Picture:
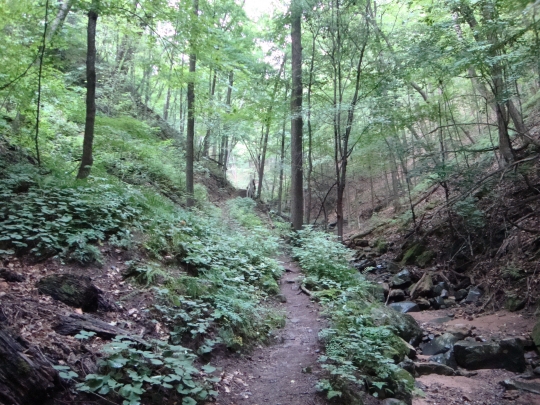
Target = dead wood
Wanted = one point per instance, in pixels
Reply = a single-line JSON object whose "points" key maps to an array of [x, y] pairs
{"points": [[74, 323], [11, 276], [26, 376]]}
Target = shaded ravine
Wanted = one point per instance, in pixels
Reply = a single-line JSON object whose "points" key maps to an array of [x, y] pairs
{"points": [[285, 372]]}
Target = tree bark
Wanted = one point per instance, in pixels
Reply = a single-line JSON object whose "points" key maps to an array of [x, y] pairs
{"points": [[297, 188], [65, 7], [87, 158], [206, 141], [26, 376], [190, 135]]}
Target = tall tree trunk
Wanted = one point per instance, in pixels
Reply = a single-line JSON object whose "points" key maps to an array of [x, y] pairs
{"points": [[225, 142], [65, 7], [281, 163], [310, 131], [190, 136], [297, 188], [87, 159], [206, 141], [268, 122]]}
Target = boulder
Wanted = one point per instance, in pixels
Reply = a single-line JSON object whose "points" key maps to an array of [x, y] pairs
{"points": [[459, 330], [439, 287], [432, 368], [529, 386], [437, 302], [404, 307], [474, 295], [460, 294], [402, 279], [507, 354], [440, 344], [396, 295], [405, 325], [392, 267], [423, 288], [447, 358], [377, 291], [364, 264], [514, 303], [423, 304]]}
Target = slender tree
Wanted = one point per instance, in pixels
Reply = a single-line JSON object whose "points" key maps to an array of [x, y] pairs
{"points": [[87, 158], [297, 188]]}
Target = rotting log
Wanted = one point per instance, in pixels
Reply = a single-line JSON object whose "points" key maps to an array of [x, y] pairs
{"points": [[26, 376], [75, 323], [11, 276], [75, 291]]}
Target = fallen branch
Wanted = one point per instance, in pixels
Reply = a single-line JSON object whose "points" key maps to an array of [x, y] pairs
{"points": [[305, 290]]}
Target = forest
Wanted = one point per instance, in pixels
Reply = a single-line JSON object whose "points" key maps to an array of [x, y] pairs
{"points": [[295, 202]]}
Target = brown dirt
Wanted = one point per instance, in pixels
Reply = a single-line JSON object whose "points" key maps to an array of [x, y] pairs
{"points": [[286, 372]]}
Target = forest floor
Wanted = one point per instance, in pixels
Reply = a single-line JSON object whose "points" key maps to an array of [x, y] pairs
{"points": [[286, 371]]}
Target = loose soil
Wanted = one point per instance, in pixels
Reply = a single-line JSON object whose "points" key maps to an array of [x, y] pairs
{"points": [[285, 372]]}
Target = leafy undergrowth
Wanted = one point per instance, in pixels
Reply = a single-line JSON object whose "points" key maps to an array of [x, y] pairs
{"points": [[209, 273], [358, 353]]}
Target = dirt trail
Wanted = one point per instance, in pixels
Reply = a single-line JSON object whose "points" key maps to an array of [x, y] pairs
{"points": [[285, 372]]}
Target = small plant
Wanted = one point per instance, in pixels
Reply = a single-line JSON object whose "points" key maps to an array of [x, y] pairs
{"points": [[130, 372]]}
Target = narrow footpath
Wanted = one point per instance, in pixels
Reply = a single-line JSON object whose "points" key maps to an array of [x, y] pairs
{"points": [[286, 371]]}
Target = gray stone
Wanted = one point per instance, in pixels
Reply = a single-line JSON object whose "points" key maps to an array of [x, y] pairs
{"points": [[514, 303], [405, 306], [460, 294], [529, 386], [507, 354], [392, 401], [447, 358], [405, 325], [433, 368], [439, 345], [392, 267], [437, 302], [377, 291], [444, 294], [281, 298], [402, 279], [437, 289], [423, 304], [536, 371], [459, 330], [361, 243], [474, 295], [397, 295], [423, 288], [535, 334], [364, 264], [407, 365]]}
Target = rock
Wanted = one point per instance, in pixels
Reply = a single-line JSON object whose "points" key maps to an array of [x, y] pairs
{"points": [[507, 354], [514, 303], [460, 294], [410, 351], [436, 302], [474, 295], [425, 258], [535, 334], [364, 264], [450, 302], [397, 295], [438, 288], [392, 267], [423, 304], [405, 306], [404, 324], [529, 386], [440, 344], [536, 371], [433, 368], [444, 294], [459, 330], [447, 358], [392, 401], [402, 279], [378, 291], [423, 288], [407, 365], [281, 298], [411, 255]]}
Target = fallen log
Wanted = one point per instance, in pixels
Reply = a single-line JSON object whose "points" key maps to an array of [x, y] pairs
{"points": [[75, 291], [26, 376], [75, 323]]}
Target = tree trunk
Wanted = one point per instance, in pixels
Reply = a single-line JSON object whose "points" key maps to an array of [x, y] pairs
{"points": [[190, 136], [65, 7], [206, 141], [297, 188], [281, 161], [87, 159], [224, 153]]}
